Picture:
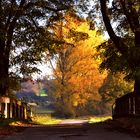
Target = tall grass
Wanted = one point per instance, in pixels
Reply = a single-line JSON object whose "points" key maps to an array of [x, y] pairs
{"points": [[99, 119], [45, 120], [48, 120]]}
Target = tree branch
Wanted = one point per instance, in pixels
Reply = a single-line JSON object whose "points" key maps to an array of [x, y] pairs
{"points": [[58, 78], [12, 26], [10, 15], [128, 16], [117, 40], [134, 16]]}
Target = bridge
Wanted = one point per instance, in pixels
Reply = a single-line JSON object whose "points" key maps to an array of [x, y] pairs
{"points": [[13, 108], [127, 106]]}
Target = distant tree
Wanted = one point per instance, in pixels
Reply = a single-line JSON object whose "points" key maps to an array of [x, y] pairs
{"points": [[113, 87], [77, 78], [21, 26]]}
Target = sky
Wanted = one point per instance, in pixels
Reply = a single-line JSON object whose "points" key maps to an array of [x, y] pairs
{"points": [[46, 71]]}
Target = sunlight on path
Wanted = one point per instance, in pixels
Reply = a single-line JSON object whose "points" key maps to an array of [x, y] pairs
{"points": [[72, 121]]}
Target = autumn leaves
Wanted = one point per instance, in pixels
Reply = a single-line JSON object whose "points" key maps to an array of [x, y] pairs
{"points": [[77, 78]]}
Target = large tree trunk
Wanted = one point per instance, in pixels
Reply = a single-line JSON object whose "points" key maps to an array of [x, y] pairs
{"points": [[5, 45], [137, 85], [122, 47], [4, 76], [135, 26], [4, 61], [137, 62]]}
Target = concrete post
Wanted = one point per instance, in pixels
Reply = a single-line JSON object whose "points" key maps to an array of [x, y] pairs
{"points": [[0, 106], [5, 110], [11, 109], [25, 112]]}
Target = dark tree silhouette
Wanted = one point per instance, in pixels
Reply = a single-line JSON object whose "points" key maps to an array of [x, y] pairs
{"points": [[20, 30], [125, 38]]}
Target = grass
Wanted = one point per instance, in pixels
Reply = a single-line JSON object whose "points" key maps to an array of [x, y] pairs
{"points": [[42, 111], [13, 122], [48, 120], [7, 122], [45, 120], [7, 126], [99, 119]]}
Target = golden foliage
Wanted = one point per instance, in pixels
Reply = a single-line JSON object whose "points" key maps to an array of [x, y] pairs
{"points": [[77, 76]]}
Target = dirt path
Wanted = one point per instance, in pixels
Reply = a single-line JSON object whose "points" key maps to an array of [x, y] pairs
{"points": [[70, 132]]}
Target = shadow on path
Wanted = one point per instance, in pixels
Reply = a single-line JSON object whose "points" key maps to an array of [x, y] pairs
{"points": [[79, 131]]}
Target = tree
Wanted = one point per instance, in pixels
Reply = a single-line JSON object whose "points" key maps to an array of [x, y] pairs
{"points": [[20, 30], [77, 78], [125, 50], [121, 20], [113, 87]]}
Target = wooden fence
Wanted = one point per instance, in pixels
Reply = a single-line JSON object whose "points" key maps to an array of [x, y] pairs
{"points": [[127, 106], [12, 108]]}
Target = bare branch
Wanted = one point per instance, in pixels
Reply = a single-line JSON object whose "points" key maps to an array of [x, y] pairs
{"points": [[54, 70]]}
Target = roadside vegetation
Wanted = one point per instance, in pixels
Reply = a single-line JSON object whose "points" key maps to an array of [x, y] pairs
{"points": [[99, 119], [45, 120], [11, 126], [48, 120]]}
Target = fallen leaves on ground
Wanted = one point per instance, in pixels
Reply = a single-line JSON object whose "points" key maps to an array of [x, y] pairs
{"points": [[9, 130], [5, 131]]}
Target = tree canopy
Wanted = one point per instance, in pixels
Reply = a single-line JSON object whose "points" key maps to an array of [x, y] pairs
{"points": [[77, 78], [121, 20], [126, 43], [21, 26]]}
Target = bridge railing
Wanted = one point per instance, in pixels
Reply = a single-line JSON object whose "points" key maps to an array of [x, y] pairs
{"points": [[126, 106], [12, 108]]}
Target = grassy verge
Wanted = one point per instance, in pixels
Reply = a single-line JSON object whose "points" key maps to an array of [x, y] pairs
{"points": [[48, 120], [45, 120], [7, 127], [99, 119]]}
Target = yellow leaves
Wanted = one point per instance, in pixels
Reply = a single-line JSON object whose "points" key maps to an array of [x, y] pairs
{"points": [[84, 27], [78, 68], [93, 39], [75, 104]]}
